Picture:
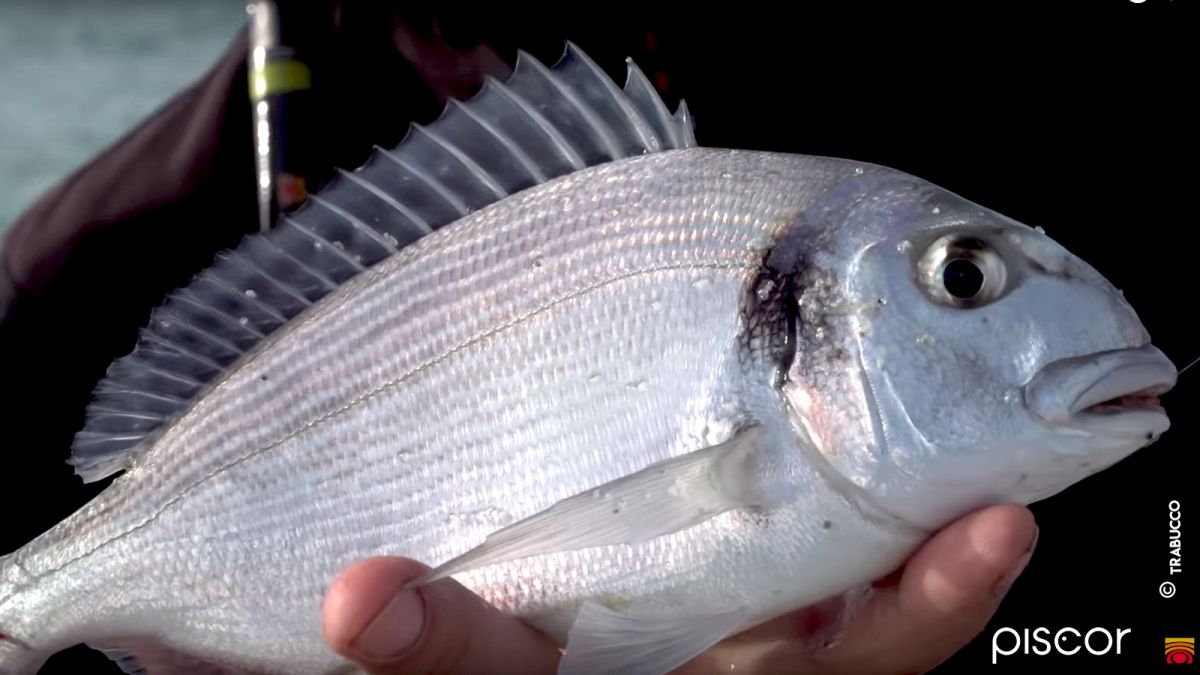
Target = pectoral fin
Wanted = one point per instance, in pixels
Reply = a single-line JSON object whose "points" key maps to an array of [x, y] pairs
{"points": [[662, 498], [603, 641]]}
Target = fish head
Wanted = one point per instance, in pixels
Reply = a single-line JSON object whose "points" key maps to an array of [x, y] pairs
{"points": [[982, 362]]}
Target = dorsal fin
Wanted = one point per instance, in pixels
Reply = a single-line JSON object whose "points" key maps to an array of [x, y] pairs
{"points": [[540, 124]]}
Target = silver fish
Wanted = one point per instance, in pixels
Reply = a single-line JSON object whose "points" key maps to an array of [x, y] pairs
{"points": [[604, 376]]}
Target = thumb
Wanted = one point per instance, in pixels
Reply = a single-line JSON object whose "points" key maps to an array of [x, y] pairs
{"points": [[370, 619]]}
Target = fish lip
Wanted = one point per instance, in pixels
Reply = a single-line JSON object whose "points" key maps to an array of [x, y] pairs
{"points": [[1112, 393]]}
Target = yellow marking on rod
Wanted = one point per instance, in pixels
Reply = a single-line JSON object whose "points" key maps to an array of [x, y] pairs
{"points": [[278, 77]]}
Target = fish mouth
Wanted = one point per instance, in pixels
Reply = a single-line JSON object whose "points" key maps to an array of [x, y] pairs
{"points": [[1144, 398], [1115, 392]]}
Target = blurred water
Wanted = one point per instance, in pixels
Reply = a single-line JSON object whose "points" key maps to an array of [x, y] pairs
{"points": [[76, 75]]}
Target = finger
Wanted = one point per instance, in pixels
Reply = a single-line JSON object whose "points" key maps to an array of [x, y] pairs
{"points": [[916, 618], [440, 628], [948, 592]]}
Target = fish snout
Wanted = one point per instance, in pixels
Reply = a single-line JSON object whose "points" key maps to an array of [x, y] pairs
{"points": [[1111, 393]]}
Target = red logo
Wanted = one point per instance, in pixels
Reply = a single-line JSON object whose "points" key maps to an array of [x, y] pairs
{"points": [[1180, 650]]}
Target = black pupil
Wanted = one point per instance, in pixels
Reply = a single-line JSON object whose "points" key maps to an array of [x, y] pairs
{"points": [[963, 278]]}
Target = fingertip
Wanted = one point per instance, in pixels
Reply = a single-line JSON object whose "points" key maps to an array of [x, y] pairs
{"points": [[1018, 550], [1001, 534], [971, 562], [360, 595], [372, 618]]}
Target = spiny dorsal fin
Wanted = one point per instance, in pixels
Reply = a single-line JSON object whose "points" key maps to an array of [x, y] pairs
{"points": [[540, 124]]}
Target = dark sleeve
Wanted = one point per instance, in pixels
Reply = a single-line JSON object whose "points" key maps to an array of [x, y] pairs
{"points": [[140, 202], [82, 267]]}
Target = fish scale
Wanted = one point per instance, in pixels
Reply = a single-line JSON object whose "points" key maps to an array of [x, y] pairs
{"points": [[638, 402]]}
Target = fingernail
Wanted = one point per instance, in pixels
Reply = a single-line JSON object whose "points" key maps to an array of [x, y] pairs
{"points": [[1006, 581], [394, 630]]}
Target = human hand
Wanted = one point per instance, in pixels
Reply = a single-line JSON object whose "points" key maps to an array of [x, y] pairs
{"points": [[918, 617]]}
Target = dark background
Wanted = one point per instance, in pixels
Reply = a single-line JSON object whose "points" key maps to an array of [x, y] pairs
{"points": [[1077, 118]]}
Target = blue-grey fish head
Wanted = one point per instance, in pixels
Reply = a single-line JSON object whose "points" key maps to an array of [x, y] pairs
{"points": [[951, 357]]}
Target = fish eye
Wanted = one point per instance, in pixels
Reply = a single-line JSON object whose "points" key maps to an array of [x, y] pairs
{"points": [[962, 272], [962, 278]]}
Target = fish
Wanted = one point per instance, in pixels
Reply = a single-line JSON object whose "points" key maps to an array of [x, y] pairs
{"points": [[639, 392]]}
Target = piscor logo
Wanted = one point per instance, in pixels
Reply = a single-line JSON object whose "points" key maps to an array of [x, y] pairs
{"points": [[1067, 641], [1180, 650]]}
